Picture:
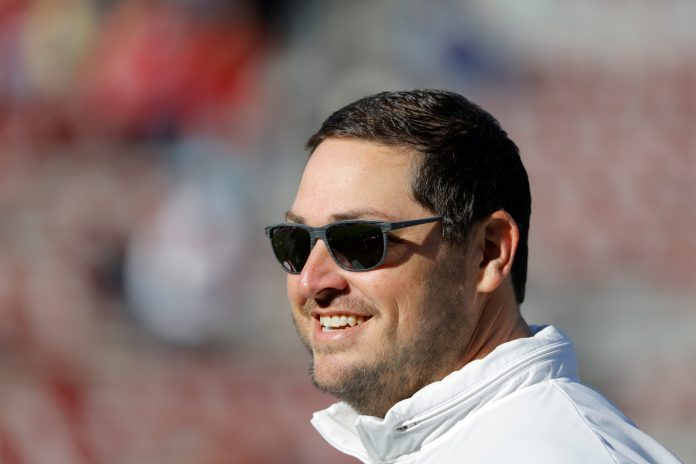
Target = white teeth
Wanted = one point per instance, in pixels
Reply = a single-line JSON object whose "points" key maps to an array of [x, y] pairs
{"points": [[330, 323]]}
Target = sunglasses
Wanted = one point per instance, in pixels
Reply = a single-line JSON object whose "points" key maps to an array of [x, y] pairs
{"points": [[355, 245]]}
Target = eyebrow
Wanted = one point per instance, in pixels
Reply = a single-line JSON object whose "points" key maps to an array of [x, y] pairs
{"points": [[372, 214], [292, 217]]}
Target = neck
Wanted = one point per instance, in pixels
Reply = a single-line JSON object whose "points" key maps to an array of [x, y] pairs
{"points": [[499, 321]]}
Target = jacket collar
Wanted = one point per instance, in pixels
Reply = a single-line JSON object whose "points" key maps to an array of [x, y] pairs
{"points": [[433, 410]]}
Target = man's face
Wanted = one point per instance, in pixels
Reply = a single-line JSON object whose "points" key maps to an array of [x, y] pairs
{"points": [[414, 308]]}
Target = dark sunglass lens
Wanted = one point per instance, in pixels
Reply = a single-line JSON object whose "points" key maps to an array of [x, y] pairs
{"points": [[291, 246], [356, 246]]}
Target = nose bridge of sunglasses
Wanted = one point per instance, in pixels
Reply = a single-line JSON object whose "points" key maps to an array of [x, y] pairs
{"points": [[315, 234]]}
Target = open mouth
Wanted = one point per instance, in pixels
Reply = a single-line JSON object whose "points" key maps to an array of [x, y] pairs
{"points": [[340, 322]]}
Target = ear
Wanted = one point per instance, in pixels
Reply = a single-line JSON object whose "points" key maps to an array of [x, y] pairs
{"points": [[497, 239]]}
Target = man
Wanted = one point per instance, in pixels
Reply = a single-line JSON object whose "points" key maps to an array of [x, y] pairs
{"points": [[406, 253]]}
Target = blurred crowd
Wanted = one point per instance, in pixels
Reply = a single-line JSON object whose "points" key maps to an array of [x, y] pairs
{"points": [[145, 143], [130, 69]]}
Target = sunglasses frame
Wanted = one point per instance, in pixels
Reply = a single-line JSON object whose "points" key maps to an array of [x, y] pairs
{"points": [[319, 233]]}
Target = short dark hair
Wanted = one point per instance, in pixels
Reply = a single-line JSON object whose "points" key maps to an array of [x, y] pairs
{"points": [[470, 168]]}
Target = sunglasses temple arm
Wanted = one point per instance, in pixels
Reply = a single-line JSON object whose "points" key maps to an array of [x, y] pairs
{"points": [[415, 222]]}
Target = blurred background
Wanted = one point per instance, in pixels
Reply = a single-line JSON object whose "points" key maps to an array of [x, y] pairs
{"points": [[144, 144]]}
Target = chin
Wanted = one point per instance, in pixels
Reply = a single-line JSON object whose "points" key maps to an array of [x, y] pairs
{"points": [[326, 379], [363, 386], [327, 370]]}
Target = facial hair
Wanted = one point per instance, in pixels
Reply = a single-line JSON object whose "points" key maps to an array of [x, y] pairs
{"points": [[406, 366]]}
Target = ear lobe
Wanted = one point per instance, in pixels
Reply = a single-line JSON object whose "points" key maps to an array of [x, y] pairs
{"points": [[498, 244]]}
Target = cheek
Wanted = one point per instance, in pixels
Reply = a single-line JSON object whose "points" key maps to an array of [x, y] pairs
{"points": [[294, 295], [291, 286], [399, 296]]}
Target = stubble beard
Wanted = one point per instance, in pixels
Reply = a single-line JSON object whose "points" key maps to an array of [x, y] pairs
{"points": [[405, 367]]}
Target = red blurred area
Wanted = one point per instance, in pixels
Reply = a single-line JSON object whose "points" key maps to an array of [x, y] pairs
{"points": [[138, 68], [153, 65]]}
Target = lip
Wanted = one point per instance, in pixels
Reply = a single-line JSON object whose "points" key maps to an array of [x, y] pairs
{"points": [[336, 336], [316, 313]]}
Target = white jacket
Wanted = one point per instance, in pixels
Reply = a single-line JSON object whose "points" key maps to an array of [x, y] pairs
{"points": [[523, 403]]}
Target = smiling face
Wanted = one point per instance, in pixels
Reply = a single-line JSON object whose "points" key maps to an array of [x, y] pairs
{"points": [[408, 322]]}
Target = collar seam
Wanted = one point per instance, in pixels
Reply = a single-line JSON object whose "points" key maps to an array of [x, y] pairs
{"points": [[532, 358]]}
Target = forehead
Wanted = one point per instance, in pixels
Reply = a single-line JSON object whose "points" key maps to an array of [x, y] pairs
{"points": [[345, 178]]}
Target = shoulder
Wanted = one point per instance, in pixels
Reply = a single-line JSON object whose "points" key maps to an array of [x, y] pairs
{"points": [[552, 421]]}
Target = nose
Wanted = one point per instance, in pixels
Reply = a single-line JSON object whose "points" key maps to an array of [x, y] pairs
{"points": [[321, 278]]}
